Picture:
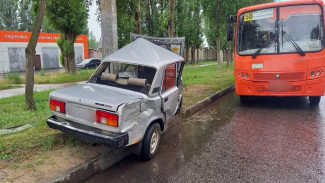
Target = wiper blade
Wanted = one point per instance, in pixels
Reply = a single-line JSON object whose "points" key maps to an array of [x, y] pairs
{"points": [[267, 44], [289, 39]]}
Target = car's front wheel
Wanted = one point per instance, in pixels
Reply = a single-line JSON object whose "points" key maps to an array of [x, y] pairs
{"points": [[150, 142]]}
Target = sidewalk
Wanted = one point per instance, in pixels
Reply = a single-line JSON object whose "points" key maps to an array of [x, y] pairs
{"points": [[37, 88]]}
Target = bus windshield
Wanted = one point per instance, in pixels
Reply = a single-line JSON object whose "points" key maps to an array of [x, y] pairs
{"points": [[290, 29]]}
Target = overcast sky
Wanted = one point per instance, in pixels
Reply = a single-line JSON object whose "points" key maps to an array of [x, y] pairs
{"points": [[92, 22]]}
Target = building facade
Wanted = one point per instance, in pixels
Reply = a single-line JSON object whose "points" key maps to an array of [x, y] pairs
{"points": [[13, 45]]}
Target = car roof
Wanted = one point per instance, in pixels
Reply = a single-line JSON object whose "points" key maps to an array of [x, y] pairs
{"points": [[143, 52]]}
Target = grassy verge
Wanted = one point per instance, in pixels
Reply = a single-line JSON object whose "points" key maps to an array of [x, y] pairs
{"points": [[19, 146], [5, 86], [200, 82], [201, 63], [47, 78]]}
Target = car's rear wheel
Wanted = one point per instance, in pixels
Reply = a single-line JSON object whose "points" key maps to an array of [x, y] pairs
{"points": [[314, 100], [150, 142]]}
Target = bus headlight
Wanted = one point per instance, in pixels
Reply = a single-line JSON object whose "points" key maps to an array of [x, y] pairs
{"points": [[312, 74]]}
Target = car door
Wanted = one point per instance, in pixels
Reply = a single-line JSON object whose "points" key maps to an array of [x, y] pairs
{"points": [[169, 92]]}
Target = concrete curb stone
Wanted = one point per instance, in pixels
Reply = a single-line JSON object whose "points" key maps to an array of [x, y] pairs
{"points": [[85, 170]]}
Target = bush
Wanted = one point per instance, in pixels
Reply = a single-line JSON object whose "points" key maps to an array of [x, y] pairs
{"points": [[14, 77]]}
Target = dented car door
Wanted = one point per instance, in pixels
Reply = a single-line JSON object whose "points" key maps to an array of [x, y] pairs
{"points": [[170, 92]]}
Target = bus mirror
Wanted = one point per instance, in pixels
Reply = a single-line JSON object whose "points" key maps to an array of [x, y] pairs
{"points": [[230, 29], [230, 32]]}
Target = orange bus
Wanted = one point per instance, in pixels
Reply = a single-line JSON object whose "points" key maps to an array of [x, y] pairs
{"points": [[279, 49]]}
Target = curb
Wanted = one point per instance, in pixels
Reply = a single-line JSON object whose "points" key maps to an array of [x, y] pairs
{"points": [[85, 170], [207, 101]]}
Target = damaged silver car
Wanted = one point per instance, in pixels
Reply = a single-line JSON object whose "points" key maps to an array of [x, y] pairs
{"points": [[126, 105]]}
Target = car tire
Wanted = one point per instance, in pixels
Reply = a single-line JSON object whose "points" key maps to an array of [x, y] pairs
{"points": [[244, 99], [314, 100], [150, 142]]}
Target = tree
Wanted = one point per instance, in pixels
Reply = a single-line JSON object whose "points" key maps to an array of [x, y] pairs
{"points": [[171, 19], [215, 15], [109, 28], [92, 42], [8, 15], [156, 18], [26, 16], [125, 24], [30, 54], [137, 16], [69, 17]]}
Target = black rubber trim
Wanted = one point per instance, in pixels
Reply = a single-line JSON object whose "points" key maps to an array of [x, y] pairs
{"points": [[118, 140]]}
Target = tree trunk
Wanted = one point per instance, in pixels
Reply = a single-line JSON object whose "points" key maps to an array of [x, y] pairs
{"points": [[171, 19], [218, 10], [137, 17], [197, 55], [228, 57], [192, 55], [218, 52], [30, 54], [109, 29], [71, 60]]}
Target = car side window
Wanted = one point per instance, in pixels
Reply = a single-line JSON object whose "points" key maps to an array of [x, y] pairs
{"points": [[169, 77]]}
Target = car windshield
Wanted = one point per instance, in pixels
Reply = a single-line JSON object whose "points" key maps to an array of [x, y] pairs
{"points": [[127, 76], [85, 61], [300, 29]]}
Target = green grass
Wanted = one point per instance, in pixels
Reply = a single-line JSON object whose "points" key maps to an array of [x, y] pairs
{"points": [[50, 78], [54, 78], [5, 86], [206, 81], [32, 141], [201, 63]]}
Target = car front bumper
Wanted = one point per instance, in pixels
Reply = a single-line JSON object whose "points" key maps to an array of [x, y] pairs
{"points": [[117, 140]]}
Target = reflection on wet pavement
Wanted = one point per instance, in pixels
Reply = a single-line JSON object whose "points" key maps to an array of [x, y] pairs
{"points": [[266, 140]]}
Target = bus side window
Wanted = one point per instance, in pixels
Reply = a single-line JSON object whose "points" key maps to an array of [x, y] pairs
{"points": [[169, 77]]}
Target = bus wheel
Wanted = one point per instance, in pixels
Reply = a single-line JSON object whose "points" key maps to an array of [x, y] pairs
{"points": [[314, 100], [244, 98]]}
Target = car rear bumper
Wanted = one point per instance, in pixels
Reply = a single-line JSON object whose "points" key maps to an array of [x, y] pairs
{"points": [[118, 140]]}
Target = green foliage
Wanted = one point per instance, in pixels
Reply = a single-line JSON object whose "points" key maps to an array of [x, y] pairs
{"points": [[68, 47], [26, 15], [42, 72], [61, 59], [92, 42], [8, 15], [155, 17], [215, 25], [14, 77], [67, 16]]}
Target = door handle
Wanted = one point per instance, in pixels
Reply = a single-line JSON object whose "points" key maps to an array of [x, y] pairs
{"points": [[166, 99]]}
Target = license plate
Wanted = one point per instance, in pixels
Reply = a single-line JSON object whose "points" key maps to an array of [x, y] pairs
{"points": [[257, 66]]}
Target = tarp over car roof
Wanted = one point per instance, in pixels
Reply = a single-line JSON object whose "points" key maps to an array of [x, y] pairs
{"points": [[143, 52]]}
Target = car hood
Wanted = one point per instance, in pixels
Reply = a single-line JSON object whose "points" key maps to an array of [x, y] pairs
{"points": [[95, 95]]}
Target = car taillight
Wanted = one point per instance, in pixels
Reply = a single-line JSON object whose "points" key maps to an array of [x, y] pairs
{"points": [[57, 105], [107, 118]]}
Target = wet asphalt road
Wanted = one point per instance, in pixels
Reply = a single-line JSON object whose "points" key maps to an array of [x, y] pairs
{"points": [[266, 140]]}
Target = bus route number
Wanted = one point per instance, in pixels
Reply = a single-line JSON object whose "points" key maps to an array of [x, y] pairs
{"points": [[248, 16]]}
